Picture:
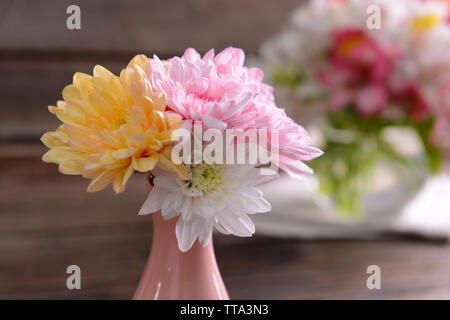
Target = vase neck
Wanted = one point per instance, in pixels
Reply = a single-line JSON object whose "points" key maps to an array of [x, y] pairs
{"points": [[164, 236], [173, 274]]}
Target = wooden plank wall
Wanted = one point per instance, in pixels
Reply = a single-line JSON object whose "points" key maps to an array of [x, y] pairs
{"points": [[38, 54]]}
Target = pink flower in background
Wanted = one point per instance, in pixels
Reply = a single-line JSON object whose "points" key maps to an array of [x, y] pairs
{"points": [[363, 83], [440, 135], [359, 75], [411, 99], [222, 93], [447, 2], [358, 72], [383, 73]]}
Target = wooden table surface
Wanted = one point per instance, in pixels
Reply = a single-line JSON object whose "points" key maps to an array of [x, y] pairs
{"points": [[48, 222]]}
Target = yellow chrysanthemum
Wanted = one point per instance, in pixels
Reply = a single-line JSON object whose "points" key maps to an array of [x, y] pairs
{"points": [[112, 127]]}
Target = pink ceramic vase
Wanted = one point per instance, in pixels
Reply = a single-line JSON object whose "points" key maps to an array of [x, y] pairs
{"points": [[172, 274]]}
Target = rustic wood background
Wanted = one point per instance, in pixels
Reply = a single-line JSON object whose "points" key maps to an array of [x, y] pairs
{"points": [[48, 222]]}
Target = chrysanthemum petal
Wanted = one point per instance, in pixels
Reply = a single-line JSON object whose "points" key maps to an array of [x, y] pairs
{"points": [[186, 234], [239, 227], [62, 153], [101, 180], [112, 126], [205, 231], [54, 139], [121, 179], [102, 72], [145, 164], [154, 201], [72, 167], [165, 164]]}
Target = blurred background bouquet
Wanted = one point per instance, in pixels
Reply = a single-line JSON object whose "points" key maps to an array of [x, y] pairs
{"points": [[38, 240], [373, 79]]}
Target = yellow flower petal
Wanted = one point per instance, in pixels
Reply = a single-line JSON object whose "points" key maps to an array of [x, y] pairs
{"points": [[101, 180], [53, 109], [60, 154], [71, 119], [71, 92], [112, 126], [72, 167], [174, 120], [123, 153], [160, 102], [164, 137], [138, 141], [180, 170], [53, 139], [145, 164], [102, 72], [121, 178], [80, 78], [139, 60], [110, 139], [91, 169]]}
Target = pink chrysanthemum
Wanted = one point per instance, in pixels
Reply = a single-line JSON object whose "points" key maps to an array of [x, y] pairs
{"points": [[219, 91]]}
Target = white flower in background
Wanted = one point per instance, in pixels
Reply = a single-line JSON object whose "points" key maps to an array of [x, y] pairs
{"points": [[218, 196]]}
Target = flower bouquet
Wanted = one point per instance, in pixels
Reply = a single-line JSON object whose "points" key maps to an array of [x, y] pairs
{"points": [[361, 71], [202, 129]]}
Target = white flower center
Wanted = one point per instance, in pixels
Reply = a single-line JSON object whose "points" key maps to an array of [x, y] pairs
{"points": [[205, 178]]}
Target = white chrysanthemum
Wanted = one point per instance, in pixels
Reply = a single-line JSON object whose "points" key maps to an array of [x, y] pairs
{"points": [[215, 195]]}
